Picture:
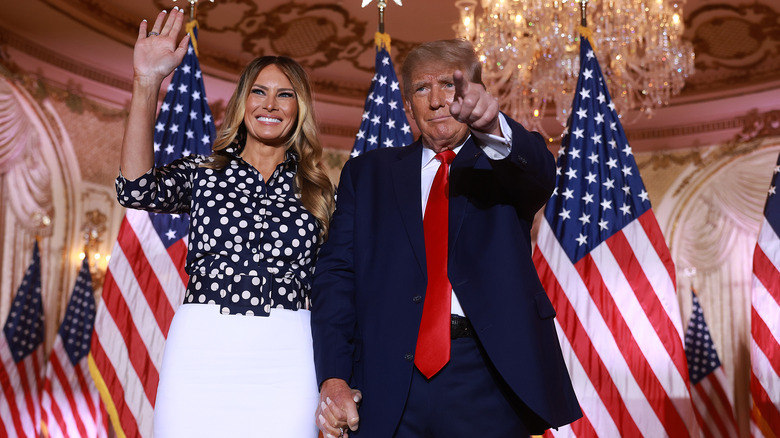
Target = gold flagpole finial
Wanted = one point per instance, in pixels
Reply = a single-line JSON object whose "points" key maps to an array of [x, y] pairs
{"points": [[381, 4]]}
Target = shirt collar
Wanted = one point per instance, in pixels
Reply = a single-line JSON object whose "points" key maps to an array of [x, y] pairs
{"points": [[291, 158], [429, 156]]}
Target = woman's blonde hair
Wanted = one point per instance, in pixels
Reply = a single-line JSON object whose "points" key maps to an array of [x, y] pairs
{"points": [[312, 182]]}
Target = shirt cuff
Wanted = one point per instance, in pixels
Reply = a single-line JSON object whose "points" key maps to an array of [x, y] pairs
{"points": [[496, 147]]}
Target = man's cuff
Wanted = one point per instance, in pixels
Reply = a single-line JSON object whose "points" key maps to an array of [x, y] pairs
{"points": [[496, 147]]}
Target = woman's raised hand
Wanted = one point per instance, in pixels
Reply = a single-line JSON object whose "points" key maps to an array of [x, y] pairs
{"points": [[156, 53]]}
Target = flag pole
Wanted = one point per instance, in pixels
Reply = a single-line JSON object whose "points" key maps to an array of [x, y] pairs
{"points": [[381, 5], [585, 32]]}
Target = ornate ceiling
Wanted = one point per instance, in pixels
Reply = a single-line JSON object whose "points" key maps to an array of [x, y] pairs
{"points": [[737, 45]]}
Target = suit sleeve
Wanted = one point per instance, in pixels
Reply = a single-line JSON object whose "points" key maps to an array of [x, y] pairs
{"points": [[528, 172], [333, 292]]}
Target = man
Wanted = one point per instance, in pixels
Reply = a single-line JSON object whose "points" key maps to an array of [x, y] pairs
{"points": [[384, 284]]}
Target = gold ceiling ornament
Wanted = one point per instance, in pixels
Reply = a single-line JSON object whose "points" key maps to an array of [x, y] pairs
{"points": [[530, 52]]}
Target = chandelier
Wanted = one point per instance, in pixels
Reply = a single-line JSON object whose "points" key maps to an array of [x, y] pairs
{"points": [[530, 52]]}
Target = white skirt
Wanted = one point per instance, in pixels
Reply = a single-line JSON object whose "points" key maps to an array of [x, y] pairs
{"points": [[237, 376]]}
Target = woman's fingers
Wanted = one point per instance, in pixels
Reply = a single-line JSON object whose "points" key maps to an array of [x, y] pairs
{"points": [[158, 22], [178, 20], [142, 30]]}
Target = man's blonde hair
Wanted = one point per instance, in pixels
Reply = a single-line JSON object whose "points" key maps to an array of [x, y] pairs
{"points": [[455, 53]]}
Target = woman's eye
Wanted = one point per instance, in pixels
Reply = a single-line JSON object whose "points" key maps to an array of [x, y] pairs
{"points": [[258, 91], [287, 94]]}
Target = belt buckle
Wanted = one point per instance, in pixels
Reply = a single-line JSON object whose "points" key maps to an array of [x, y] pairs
{"points": [[460, 327]]}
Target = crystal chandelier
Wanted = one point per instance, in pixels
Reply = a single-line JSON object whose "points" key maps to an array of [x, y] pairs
{"points": [[530, 52]]}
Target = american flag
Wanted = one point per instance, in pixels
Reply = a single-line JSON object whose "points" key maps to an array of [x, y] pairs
{"points": [[712, 403], [602, 259], [145, 282], [765, 323], [384, 123], [70, 402], [21, 353]]}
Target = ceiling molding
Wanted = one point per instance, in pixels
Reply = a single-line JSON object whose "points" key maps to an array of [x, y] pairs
{"points": [[56, 59]]}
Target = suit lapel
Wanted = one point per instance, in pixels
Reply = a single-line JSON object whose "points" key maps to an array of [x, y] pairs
{"points": [[406, 182]]}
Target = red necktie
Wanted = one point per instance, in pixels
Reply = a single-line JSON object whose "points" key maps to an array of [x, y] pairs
{"points": [[433, 340]]}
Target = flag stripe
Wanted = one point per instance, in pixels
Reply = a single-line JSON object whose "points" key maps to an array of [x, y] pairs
{"points": [[718, 416], [764, 404], [767, 241], [651, 250], [764, 339], [596, 335], [652, 310], [715, 387], [595, 348], [178, 257], [641, 369], [712, 424], [111, 389], [92, 405], [5, 379], [653, 232], [166, 272], [139, 356], [70, 405], [143, 269], [59, 427], [131, 358], [582, 349], [765, 325], [759, 426], [25, 377], [767, 274], [60, 373]]}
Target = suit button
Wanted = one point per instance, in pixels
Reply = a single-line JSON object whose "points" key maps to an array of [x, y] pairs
{"points": [[409, 357], [417, 299]]}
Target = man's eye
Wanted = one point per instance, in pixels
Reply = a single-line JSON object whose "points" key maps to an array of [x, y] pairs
{"points": [[450, 85]]}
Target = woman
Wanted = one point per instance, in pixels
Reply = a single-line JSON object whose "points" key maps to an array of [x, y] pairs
{"points": [[238, 358]]}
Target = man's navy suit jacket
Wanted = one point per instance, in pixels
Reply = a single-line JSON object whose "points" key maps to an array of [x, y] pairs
{"points": [[370, 277]]}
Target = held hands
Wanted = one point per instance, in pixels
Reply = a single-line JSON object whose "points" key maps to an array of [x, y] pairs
{"points": [[156, 53], [474, 106], [337, 413]]}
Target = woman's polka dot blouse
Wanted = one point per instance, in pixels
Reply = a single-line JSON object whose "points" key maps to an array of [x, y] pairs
{"points": [[252, 244]]}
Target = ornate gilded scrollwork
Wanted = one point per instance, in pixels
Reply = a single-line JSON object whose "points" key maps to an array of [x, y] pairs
{"points": [[755, 125], [733, 44], [316, 35]]}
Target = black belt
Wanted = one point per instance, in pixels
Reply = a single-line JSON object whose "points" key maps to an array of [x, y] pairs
{"points": [[461, 327]]}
